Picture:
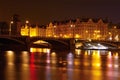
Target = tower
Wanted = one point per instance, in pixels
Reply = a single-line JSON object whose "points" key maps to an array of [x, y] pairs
{"points": [[15, 25]]}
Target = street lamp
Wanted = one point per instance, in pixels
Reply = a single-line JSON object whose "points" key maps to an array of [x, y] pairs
{"points": [[54, 31], [27, 22], [73, 26], [27, 25], [11, 22]]}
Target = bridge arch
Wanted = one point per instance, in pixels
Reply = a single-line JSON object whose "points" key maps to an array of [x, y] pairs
{"points": [[7, 43], [96, 43], [55, 43], [6, 40]]}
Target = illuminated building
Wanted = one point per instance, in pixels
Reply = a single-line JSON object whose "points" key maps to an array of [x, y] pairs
{"points": [[84, 29], [25, 29], [41, 31], [50, 30], [114, 33], [32, 30]]}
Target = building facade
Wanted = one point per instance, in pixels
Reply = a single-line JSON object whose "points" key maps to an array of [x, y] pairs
{"points": [[83, 29], [4, 28], [15, 25], [114, 33], [86, 29], [32, 31]]}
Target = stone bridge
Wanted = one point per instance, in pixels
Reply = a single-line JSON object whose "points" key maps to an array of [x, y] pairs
{"points": [[54, 43], [12, 43], [109, 44]]}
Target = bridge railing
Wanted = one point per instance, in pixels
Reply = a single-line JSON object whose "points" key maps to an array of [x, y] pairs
{"points": [[5, 35]]}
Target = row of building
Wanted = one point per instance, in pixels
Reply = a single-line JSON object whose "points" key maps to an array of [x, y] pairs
{"points": [[87, 29]]}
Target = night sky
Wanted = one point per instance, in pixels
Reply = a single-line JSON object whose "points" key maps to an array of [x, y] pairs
{"points": [[45, 11]]}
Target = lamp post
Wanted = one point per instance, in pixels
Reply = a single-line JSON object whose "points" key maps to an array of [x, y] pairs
{"points": [[54, 31], [27, 24], [73, 34], [11, 22]]}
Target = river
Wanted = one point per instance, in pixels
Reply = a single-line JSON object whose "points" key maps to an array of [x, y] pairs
{"points": [[43, 64]]}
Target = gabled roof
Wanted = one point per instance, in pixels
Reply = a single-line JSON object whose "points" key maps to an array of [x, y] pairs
{"points": [[94, 20]]}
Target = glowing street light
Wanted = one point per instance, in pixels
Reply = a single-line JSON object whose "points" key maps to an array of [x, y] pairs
{"points": [[73, 26], [11, 22], [27, 25], [27, 21]]}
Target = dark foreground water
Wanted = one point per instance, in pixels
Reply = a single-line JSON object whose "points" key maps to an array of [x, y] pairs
{"points": [[81, 65]]}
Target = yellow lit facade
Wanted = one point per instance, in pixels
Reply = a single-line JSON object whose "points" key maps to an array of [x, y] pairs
{"points": [[114, 34], [33, 31], [50, 30], [79, 29], [89, 29], [24, 31]]}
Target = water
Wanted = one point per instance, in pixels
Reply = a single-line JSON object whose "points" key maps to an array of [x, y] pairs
{"points": [[46, 65]]}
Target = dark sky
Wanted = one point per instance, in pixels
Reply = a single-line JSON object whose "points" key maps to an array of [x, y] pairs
{"points": [[44, 11]]}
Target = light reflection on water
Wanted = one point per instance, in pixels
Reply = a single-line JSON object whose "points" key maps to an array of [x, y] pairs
{"points": [[81, 65], [10, 57]]}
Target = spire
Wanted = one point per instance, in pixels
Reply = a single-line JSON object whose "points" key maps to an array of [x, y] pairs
{"points": [[90, 21], [100, 21], [50, 24]]}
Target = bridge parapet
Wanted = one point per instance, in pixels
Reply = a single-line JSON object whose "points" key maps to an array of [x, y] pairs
{"points": [[113, 44], [65, 43]]}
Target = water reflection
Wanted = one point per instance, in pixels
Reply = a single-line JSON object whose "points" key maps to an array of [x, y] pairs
{"points": [[70, 60], [24, 66], [10, 72], [81, 65], [48, 71], [10, 57], [96, 65], [43, 50], [70, 66], [101, 63], [25, 57], [24, 70], [12, 68], [48, 59], [53, 58]]}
